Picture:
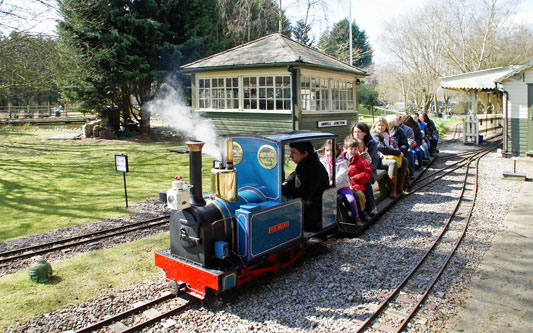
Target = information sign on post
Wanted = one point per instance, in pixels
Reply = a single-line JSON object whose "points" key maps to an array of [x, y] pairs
{"points": [[121, 165]]}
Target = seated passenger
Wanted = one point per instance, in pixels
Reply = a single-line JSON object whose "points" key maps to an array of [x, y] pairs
{"points": [[433, 133], [417, 146], [361, 132], [363, 151], [341, 176], [410, 137], [359, 173], [425, 145], [308, 182], [380, 134], [399, 141]]}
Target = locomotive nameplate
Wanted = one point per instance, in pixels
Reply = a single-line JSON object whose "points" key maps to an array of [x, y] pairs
{"points": [[278, 227]]}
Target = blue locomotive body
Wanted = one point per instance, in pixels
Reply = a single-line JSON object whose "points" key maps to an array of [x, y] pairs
{"points": [[245, 227]]}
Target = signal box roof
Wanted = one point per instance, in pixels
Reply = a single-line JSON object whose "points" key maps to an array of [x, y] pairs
{"points": [[273, 50]]}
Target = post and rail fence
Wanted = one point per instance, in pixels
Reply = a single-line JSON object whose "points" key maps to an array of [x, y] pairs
{"points": [[41, 114]]}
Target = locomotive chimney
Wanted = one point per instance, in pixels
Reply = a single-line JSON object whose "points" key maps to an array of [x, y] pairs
{"points": [[195, 171]]}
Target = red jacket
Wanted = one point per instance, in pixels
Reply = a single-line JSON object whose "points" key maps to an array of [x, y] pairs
{"points": [[359, 173]]}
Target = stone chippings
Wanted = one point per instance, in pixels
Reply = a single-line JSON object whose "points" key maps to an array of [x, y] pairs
{"points": [[340, 281], [140, 211]]}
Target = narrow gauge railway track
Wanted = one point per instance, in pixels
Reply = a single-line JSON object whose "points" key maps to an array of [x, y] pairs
{"points": [[466, 153], [457, 133], [30, 251], [140, 323], [452, 167], [400, 306]]}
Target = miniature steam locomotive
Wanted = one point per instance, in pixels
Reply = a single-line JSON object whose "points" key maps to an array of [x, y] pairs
{"points": [[245, 227]]}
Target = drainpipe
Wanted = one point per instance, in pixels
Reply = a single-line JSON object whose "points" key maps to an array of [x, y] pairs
{"points": [[506, 120], [294, 86]]}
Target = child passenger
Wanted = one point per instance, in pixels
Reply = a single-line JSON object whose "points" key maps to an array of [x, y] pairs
{"points": [[359, 173], [341, 176], [363, 151]]}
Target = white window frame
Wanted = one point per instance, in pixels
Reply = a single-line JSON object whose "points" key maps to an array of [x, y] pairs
{"points": [[332, 79], [240, 76]]}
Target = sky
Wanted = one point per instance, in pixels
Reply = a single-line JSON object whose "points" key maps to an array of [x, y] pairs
{"points": [[370, 15]]}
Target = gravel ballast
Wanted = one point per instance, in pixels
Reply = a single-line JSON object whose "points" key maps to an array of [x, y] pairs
{"points": [[338, 281]]}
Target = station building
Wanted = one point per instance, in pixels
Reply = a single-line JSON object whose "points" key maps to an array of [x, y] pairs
{"points": [[274, 84], [509, 90]]}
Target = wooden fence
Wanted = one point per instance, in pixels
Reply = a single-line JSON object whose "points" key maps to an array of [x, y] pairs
{"points": [[477, 125]]}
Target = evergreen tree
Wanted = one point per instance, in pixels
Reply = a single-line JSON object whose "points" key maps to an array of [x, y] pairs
{"points": [[300, 33], [337, 44], [112, 49]]}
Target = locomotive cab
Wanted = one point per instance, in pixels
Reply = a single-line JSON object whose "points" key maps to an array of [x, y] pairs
{"points": [[245, 226]]}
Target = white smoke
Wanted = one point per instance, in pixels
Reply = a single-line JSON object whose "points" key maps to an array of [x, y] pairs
{"points": [[169, 107]]}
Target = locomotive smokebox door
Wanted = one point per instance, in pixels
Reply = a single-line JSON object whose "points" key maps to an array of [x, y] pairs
{"points": [[193, 235], [185, 236]]}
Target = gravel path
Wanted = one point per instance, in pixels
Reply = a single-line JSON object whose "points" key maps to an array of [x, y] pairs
{"points": [[340, 280]]}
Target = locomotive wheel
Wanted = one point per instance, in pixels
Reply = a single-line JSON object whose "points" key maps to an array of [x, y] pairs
{"points": [[213, 299]]}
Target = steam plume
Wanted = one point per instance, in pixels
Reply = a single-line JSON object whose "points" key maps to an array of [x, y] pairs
{"points": [[169, 107]]}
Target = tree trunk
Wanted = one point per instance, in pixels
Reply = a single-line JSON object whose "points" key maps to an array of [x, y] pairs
{"points": [[145, 120], [125, 107], [145, 114]]}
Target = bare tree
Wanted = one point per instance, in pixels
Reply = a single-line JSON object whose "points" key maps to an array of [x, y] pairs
{"points": [[25, 16], [456, 36], [246, 20]]}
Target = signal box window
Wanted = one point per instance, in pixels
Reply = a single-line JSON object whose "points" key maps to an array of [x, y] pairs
{"points": [[322, 94], [267, 93], [218, 93]]}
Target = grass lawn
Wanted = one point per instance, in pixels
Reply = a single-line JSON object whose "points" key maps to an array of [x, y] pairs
{"points": [[49, 184], [365, 114], [79, 279]]}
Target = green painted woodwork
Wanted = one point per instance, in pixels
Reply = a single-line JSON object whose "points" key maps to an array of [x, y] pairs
{"points": [[310, 122], [194, 88], [296, 108], [518, 137], [240, 122], [530, 115]]}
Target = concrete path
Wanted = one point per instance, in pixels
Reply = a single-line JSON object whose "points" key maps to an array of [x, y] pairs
{"points": [[501, 296]]}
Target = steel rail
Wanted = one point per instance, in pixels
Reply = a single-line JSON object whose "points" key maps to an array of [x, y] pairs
{"points": [[53, 246], [464, 160], [450, 255], [149, 322], [126, 313], [381, 307]]}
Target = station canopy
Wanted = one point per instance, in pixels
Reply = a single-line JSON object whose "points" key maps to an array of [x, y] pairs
{"points": [[481, 80]]}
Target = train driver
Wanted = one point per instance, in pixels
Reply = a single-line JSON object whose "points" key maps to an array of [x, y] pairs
{"points": [[308, 182]]}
